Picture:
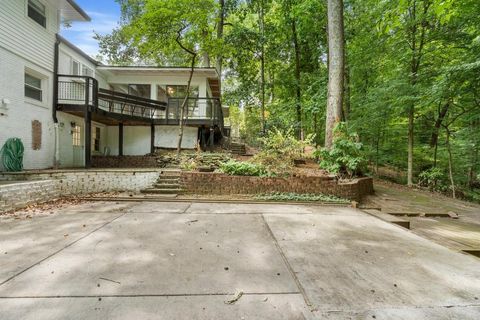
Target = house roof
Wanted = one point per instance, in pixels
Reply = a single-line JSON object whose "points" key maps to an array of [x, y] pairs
{"points": [[71, 11], [146, 70]]}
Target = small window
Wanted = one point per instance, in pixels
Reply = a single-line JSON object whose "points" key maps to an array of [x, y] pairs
{"points": [[36, 11], [33, 87], [86, 71], [76, 136], [139, 90], [96, 139], [75, 68]]}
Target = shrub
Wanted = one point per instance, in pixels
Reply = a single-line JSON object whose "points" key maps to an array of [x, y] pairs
{"points": [[433, 179], [237, 168], [345, 158], [279, 150]]}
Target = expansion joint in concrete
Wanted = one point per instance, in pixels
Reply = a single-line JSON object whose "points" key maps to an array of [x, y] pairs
{"points": [[289, 267], [61, 249]]}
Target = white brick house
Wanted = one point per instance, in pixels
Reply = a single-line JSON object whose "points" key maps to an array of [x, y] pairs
{"points": [[46, 79]]}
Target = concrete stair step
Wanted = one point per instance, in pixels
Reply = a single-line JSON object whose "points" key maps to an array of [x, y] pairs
{"points": [[168, 180], [162, 191], [167, 185]]}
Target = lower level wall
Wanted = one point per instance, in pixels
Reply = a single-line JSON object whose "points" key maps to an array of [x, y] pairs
{"points": [[124, 162], [219, 183], [35, 187]]}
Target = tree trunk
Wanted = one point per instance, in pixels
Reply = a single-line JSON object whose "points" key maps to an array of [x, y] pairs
{"points": [[298, 93], [262, 64], [221, 23], [346, 102], [411, 112], [450, 165], [181, 121], [335, 68]]}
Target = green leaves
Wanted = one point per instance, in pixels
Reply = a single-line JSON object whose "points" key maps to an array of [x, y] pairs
{"points": [[237, 168], [345, 158]]}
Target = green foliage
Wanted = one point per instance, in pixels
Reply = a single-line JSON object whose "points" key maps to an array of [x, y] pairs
{"points": [[433, 179], [279, 150], [238, 168], [289, 196], [345, 158], [12, 155]]}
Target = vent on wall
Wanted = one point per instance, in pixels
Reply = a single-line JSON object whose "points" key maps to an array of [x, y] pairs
{"points": [[36, 135]]}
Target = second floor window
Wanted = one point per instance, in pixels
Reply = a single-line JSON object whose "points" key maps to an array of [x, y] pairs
{"points": [[36, 11], [33, 87], [86, 71], [75, 68]]}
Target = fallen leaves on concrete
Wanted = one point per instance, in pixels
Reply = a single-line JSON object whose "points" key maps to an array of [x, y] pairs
{"points": [[236, 297]]}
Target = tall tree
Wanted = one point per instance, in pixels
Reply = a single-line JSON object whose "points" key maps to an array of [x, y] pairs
{"points": [[336, 68]]}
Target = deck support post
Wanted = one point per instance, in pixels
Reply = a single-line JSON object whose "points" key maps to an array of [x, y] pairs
{"points": [[120, 139], [152, 138], [88, 127]]}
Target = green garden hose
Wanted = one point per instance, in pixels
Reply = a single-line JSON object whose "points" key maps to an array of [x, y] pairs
{"points": [[12, 155]]}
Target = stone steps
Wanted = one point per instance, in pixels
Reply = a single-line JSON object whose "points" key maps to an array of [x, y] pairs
{"points": [[162, 191], [168, 183], [238, 148]]}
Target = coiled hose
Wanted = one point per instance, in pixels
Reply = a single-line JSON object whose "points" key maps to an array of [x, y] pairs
{"points": [[12, 155]]}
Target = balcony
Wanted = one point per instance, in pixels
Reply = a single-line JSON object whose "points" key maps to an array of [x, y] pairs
{"points": [[79, 94]]}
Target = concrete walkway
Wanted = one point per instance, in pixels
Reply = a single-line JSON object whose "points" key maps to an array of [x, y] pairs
{"points": [[154, 260]]}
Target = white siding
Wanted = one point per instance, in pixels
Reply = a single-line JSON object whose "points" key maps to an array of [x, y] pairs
{"points": [[17, 121], [65, 60], [136, 139], [24, 37], [166, 137], [73, 156]]}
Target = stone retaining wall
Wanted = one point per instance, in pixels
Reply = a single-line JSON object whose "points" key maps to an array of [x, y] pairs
{"points": [[219, 183], [19, 195], [41, 186]]}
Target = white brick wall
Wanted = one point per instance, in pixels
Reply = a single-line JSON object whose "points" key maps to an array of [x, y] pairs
{"points": [[48, 185], [17, 119]]}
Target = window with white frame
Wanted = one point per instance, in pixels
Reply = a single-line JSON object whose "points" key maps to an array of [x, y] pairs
{"points": [[76, 136], [75, 68], [86, 71], [33, 87], [36, 11]]}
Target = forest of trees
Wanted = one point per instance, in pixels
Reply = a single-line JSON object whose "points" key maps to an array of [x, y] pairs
{"points": [[411, 81]]}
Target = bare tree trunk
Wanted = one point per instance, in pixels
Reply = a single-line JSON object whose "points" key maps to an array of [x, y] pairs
{"points": [[417, 29], [221, 23], [298, 93], [346, 102], [411, 111], [450, 165], [336, 65], [181, 120], [262, 64]]}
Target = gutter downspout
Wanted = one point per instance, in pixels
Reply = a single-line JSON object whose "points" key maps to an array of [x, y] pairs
{"points": [[56, 157]]}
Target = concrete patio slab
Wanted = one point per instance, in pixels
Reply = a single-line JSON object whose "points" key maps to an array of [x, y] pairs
{"points": [[361, 264], [165, 254], [239, 208], [25, 242], [158, 207], [179, 261], [278, 307]]}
